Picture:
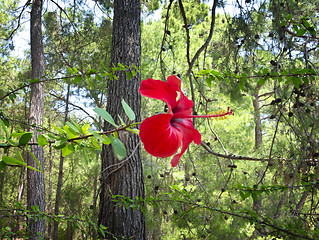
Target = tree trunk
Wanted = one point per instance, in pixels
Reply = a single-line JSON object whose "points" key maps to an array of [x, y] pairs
{"points": [[49, 206], [60, 178], [258, 133], [123, 179], [2, 178], [35, 179]]}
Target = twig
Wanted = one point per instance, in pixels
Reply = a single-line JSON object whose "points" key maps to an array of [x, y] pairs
{"points": [[19, 19]]}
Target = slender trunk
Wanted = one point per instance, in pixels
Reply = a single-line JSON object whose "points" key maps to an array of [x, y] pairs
{"points": [[21, 185], [60, 178], [2, 177], [123, 179], [35, 183], [258, 133], [49, 207]]}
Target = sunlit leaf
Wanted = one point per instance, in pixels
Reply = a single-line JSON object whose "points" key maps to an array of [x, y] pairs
{"points": [[105, 115], [60, 143], [95, 143], [129, 112], [25, 138], [12, 161], [37, 161], [70, 132], [73, 127], [42, 141], [85, 128], [67, 150], [60, 130], [118, 147], [4, 128], [106, 140]]}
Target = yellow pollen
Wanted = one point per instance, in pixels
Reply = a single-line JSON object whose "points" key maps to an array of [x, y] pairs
{"points": [[221, 112]]}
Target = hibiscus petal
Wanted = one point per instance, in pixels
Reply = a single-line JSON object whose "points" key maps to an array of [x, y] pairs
{"points": [[183, 105], [189, 134], [165, 91], [159, 137], [174, 82]]}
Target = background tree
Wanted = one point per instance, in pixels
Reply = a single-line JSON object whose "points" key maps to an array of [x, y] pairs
{"points": [[124, 177], [36, 185]]}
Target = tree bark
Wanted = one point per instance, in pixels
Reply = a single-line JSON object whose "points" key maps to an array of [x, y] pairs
{"points": [[49, 205], [60, 178], [258, 133], [35, 179], [124, 179]]}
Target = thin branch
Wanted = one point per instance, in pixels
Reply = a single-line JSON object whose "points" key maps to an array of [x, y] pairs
{"points": [[236, 157], [202, 48], [66, 16], [19, 19], [74, 105], [181, 7]]}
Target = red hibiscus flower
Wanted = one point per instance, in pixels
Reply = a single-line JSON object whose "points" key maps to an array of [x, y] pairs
{"points": [[163, 134]]}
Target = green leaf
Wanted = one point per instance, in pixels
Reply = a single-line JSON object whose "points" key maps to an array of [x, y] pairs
{"points": [[73, 127], [261, 81], [33, 168], [60, 143], [34, 80], [296, 81], [129, 112], [77, 79], [128, 75], [121, 120], [209, 80], [244, 76], [67, 150], [305, 80], [254, 195], [143, 209], [98, 78], [96, 135], [25, 138], [105, 115], [122, 66], [241, 84], [42, 141], [17, 134], [37, 162], [283, 23], [204, 72], [301, 32], [106, 140], [12, 161], [217, 74], [305, 23], [2, 165], [5, 128], [60, 130], [86, 159], [95, 143], [289, 16], [118, 147], [85, 128], [70, 132]]}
